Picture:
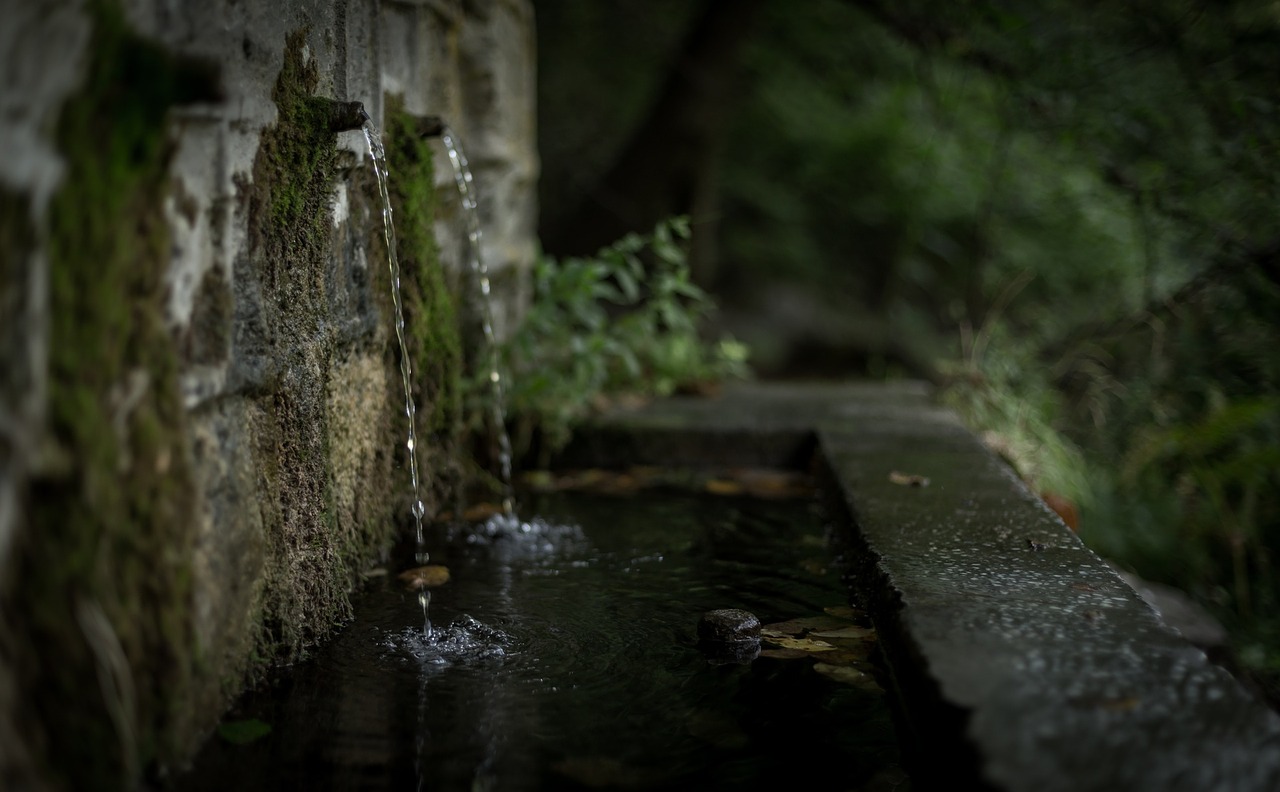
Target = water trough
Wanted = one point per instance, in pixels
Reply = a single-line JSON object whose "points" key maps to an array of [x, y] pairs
{"points": [[1018, 659]]}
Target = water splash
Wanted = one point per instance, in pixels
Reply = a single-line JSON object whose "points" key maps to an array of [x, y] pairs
{"points": [[424, 599], [465, 640], [480, 273], [379, 156]]}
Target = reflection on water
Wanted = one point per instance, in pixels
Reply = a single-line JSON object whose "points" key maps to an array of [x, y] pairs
{"points": [[564, 656]]}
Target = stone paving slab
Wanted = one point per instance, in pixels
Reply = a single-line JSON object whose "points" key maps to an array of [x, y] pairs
{"points": [[1018, 659]]}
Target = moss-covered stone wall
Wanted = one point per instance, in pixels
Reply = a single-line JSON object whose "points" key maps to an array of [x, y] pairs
{"points": [[95, 599], [309, 567]]}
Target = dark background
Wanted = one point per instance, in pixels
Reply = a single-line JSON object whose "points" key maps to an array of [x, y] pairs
{"points": [[1063, 214]]}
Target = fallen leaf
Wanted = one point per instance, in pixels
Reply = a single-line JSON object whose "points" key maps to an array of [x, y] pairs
{"points": [[908, 479], [803, 644], [806, 624], [722, 487], [852, 631], [429, 576]]}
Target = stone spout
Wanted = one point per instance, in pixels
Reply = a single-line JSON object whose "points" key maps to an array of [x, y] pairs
{"points": [[346, 116], [430, 126]]}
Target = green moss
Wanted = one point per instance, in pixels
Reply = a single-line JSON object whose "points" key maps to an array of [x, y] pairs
{"points": [[308, 568], [431, 317], [111, 533]]}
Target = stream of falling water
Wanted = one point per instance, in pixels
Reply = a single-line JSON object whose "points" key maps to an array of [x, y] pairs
{"points": [[480, 273], [379, 156]]}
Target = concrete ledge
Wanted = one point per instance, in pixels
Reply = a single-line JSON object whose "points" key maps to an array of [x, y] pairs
{"points": [[1019, 659]]}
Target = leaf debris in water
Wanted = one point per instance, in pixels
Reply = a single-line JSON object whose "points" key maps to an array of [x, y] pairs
{"points": [[802, 626], [908, 479], [852, 631], [803, 644]]}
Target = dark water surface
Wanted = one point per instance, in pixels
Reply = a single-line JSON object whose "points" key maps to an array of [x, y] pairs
{"points": [[564, 657]]}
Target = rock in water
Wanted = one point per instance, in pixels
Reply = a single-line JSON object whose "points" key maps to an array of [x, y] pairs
{"points": [[728, 625]]}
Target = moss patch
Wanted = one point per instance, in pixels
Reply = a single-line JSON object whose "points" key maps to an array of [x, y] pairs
{"points": [[99, 585], [430, 313], [309, 569]]}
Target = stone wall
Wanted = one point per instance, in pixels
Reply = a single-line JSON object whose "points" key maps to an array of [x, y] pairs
{"points": [[201, 417]]}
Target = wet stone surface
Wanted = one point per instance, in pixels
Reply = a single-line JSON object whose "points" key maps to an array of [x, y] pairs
{"points": [[728, 625], [1020, 660]]}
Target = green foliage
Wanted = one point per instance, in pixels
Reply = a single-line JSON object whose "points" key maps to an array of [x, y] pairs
{"points": [[906, 187], [624, 322], [1004, 396]]}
